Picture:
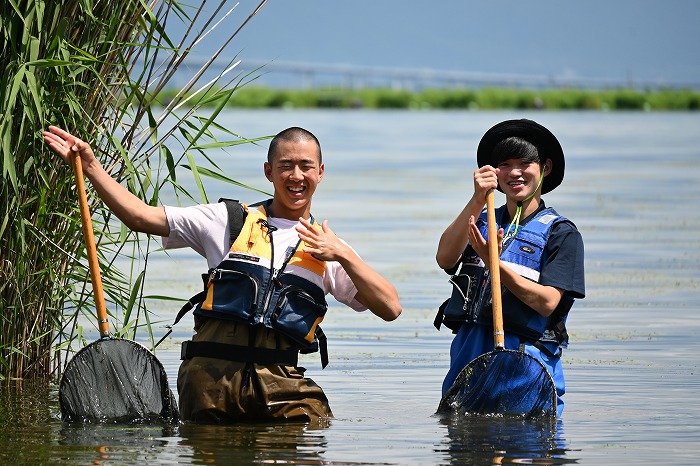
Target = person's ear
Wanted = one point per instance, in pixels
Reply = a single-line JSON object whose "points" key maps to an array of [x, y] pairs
{"points": [[547, 167], [268, 171]]}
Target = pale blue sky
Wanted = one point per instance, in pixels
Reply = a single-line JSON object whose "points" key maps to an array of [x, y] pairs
{"points": [[643, 40]]}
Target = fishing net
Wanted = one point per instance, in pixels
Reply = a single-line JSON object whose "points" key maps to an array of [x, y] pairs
{"points": [[502, 382], [115, 380]]}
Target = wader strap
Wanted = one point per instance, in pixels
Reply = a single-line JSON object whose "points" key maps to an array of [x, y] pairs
{"points": [[263, 356]]}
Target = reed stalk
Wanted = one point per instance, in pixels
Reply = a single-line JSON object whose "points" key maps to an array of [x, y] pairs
{"points": [[94, 67]]}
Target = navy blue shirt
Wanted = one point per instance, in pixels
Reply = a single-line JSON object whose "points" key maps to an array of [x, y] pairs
{"points": [[563, 266]]}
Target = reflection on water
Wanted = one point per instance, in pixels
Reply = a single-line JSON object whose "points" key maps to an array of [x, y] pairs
{"points": [[195, 444], [253, 444], [503, 440], [115, 443]]}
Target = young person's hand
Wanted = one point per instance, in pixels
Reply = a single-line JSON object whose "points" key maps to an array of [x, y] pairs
{"points": [[480, 245], [323, 244], [66, 144], [485, 179]]}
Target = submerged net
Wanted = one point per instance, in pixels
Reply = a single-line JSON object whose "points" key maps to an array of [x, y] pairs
{"points": [[502, 382], [114, 380]]}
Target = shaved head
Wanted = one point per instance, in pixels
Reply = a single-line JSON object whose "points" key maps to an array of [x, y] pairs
{"points": [[293, 134]]}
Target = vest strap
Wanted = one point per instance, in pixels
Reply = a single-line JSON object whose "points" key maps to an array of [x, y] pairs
{"points": [[191, 303], [263, 356], [236, 218], [322, 346]]}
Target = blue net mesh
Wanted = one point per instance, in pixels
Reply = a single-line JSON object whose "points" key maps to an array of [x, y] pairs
{"points": [[502, 382]]}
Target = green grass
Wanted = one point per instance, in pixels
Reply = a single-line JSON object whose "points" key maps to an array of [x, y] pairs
{"points": [[467, 99]]}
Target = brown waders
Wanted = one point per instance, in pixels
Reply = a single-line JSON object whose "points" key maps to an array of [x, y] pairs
{"points": [[214, 390]]}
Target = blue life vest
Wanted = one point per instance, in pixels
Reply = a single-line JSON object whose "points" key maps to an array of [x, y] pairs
{"points": [[245, 286], [524, 253]]}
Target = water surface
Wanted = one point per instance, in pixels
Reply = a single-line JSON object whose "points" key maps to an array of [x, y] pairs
{"points": [[393, 181]]}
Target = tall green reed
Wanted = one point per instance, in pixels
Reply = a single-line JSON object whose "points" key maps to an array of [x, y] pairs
{"points": [[95, 67]]}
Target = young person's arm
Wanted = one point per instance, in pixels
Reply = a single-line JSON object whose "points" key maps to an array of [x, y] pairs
{"points": [[455, 238], [373, 290], [136, 214]]}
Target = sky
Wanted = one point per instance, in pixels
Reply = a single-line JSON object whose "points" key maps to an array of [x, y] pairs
{"points": [[654, 41]]}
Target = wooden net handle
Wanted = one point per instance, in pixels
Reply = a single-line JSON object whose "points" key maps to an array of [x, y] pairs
{"points": [[495, 271], [90, 247]]}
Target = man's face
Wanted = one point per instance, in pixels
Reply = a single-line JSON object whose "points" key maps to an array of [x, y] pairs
{"points": [[519, 178], [295, 171]]}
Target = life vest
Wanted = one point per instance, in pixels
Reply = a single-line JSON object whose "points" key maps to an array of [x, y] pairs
{"points": [[245, 286], [524, 253]]}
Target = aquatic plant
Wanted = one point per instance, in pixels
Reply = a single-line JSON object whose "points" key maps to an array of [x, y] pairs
{"points": [[95, 67], [461, 98]]}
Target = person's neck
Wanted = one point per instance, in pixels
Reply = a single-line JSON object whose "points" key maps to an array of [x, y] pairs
{"points": [[529, 207], [274, 210]]}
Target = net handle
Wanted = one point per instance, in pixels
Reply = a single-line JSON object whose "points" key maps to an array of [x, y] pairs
{"points": [[91, 249], [494, 269]]}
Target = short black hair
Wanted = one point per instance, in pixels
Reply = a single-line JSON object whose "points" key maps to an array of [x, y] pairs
{"points": [[515, 148], [293, 134]]}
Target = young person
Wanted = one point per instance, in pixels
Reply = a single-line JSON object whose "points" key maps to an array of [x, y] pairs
{"points": [[264, 293], [541, 261]]}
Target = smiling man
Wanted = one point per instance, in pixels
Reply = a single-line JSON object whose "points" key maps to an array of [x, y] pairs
{"points": [[541, 263], [270, 266]]}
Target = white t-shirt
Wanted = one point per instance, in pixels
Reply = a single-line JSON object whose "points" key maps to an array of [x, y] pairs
{"points": [[204, 228]]}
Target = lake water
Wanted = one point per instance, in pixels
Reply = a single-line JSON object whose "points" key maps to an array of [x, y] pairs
{"points": [[393, 181]]}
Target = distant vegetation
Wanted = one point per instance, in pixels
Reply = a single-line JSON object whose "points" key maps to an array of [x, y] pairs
{"points": [[472, 99]]}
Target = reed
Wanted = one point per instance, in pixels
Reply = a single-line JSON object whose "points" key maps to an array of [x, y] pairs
{"points": [[95, 67]]}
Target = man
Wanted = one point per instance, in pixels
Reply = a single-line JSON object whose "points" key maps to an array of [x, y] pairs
{"points": [[265, 287], [541, 264]]}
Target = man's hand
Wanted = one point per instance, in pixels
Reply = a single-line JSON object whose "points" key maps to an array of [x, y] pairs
{"points": [[373, 290], [477, 241], [65, 145], [136, 214], [485, 180], [323, 244]]}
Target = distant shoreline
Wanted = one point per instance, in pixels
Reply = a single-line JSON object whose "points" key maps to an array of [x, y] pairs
{"points": [[460, 99]]}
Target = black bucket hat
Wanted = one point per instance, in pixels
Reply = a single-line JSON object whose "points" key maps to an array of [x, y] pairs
{"points": [[547, 145]]}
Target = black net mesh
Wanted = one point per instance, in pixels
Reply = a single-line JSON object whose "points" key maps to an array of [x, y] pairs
{"points": [[502, 382], [114, 380]]}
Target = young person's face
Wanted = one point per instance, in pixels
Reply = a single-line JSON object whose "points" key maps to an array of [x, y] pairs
{"points": [[295, 171], [518, 178]]}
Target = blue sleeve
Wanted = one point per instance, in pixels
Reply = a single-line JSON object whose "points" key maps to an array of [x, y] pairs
{"points": [[563, 265]]}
